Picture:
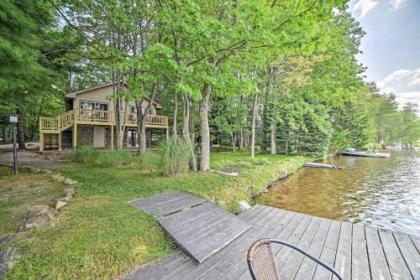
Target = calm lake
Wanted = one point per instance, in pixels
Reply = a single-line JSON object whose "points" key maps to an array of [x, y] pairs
{"points": [[382, 192]]}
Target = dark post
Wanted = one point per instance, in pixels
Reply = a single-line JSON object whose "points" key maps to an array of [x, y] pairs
{"points": [[14, 121]]}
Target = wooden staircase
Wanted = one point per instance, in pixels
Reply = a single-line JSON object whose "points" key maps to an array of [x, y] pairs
{"points": [[58, 124]]}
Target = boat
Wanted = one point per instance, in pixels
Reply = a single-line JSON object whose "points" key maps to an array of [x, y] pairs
{"points": [[365, 154]]}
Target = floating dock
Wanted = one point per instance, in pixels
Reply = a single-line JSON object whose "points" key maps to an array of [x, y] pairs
{"points": [[356, 251], [366, 154]]}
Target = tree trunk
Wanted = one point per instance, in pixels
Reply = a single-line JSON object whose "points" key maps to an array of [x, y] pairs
{"points": [[141, 118], [233, 142], [254, 116], [273, 144], [204, 129], [186, 135], [186, 119], [174, 123], [21, 129]]}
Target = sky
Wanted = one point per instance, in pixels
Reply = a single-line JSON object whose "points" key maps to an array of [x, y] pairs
{"points": [[391, 46]]}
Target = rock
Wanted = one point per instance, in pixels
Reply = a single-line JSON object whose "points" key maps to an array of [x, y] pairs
{"points": [[39, 216], [58, 178], [234, 174], [60, 204], [8, 258], [70, 182], [243, 206], [37, 210], [36, 222], [68, 193]]}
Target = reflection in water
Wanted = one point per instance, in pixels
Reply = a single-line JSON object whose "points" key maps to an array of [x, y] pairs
{"points": [[382, 192]]}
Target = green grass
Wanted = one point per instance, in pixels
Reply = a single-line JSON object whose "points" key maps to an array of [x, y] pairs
{"points": [[99, 235], [19, 193]]}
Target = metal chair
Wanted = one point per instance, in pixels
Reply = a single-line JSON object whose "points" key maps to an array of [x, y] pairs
{"points": [[261, 261]]}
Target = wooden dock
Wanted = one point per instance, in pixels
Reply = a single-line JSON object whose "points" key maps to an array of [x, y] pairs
{"points": [[366, 154], [355, 250]]}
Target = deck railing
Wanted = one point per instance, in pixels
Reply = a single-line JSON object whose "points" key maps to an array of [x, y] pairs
{"points": [[94, 115], [156, 120], [68, 118], [48, 123]]}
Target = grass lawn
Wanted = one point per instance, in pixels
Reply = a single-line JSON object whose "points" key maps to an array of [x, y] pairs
{"points": [[99, 235], [18, 194]]}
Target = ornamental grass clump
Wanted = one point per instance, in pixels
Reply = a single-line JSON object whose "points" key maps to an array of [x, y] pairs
{"points": [[113, 158], [174, 156], [84, 154]]}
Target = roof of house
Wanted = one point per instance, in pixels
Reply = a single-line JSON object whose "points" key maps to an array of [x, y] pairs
{"points": [[74, 94]]}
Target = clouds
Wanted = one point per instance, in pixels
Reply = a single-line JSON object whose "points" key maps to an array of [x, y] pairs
{"points": [[396, 4], [365, 6], [404, 83]]}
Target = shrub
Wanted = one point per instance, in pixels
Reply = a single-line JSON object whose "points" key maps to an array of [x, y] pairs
{"points": [[84, 154], [148, 161], [113, 158], [88, 155], [174, 156]]}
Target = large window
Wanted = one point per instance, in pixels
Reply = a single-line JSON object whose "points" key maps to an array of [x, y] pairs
{"points": [[90, 105]]}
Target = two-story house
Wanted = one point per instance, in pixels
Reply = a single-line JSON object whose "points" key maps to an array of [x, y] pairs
{"points": [[90, 120]]}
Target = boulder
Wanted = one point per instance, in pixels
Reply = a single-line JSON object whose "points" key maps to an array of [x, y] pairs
{"points": [[60, 204]]}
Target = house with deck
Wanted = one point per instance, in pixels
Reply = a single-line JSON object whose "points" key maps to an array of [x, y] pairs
{"points": [[89, 119]]}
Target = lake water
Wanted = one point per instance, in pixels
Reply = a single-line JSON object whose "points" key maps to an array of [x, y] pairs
{"points": [[381, 192]]}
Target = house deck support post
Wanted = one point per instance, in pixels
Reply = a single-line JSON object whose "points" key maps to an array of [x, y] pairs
{"points": [[112, 137], [75, 135], [60, 141]]}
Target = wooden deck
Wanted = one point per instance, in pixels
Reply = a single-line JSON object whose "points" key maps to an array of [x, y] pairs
{"points": [[355, 250]]}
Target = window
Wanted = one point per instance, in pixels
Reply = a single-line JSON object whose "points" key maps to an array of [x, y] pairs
{"points": [[90, 105]]}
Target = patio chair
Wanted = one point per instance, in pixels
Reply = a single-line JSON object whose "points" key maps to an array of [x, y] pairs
{"points": [[261, 261]]}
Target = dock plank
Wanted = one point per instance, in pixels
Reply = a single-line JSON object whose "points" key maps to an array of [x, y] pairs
{"points": [[396, 262], [329, 251], [168, 202], [343, 257], [409, 252], [308, 266], [206, 236], [359, 258], [378, 263]]}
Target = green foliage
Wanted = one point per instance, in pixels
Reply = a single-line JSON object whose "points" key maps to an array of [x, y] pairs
{"points": [[113, 158], [89, 156], [84, 154], [174, 156]]}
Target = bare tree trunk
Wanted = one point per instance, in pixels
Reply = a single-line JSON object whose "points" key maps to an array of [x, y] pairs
{"points": [[117, 108], [233, 142], [174, 123], [273, 137], [186, 120], [186, 135], [274, 130], [141, 118], [204, 129], [254, 116], [21, 129]]}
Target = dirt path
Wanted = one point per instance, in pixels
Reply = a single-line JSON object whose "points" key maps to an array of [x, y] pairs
{"points": [[32, 159]]}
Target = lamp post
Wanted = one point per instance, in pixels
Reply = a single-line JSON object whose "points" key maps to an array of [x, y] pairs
{"points": [[13, 121]]}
